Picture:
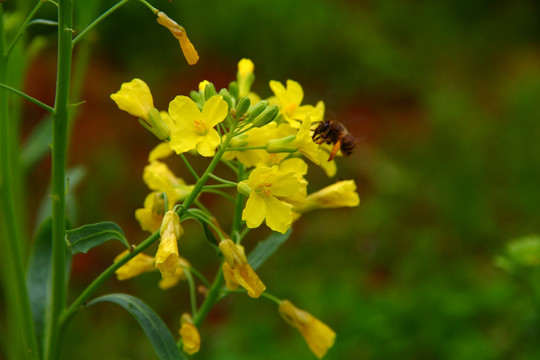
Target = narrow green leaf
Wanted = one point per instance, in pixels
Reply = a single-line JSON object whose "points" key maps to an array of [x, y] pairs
{"points": [[160, 337], [266, 248], [86, 237], [37, 145], [38, 274]]}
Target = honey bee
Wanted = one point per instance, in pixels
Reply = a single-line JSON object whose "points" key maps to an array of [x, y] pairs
{"points": [[333, 132]]}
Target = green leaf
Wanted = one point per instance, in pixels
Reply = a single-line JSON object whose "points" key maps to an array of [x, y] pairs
{"points": [[86, 237], [266, 248], [37, 145], [38, 276], [154, 328]]}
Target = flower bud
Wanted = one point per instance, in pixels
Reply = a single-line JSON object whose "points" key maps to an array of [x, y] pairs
{"points": [[227, 97], [281, 145], [242, 107], [239, 141], [233, 89], [167, 257], [209, 91], [245, 76], [340, 194], [161, 130], [256, 109], [266, 116]]}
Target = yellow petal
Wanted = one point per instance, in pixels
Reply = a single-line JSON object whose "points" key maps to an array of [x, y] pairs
{"points": [[318, 335], [278, 214], [135, 98], [249, 280], [214, 110], [167, 258], [228, 274], [208, 144], [255, 210], [184, 140], [180, 274], [340, 194], [139, 264], [161, 151], [245, 67], [191, 340], [184, 112]]}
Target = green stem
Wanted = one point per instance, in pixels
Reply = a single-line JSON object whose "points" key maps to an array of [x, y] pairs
{"points": [[23, 27], [219, 186], [192, 295], [97, 21], [247, 148], [12, 239], [197, 274], [190, 168], [225, 195], [224, 181], [154, 10], [89, 291], [27, 97], [60, 126]]}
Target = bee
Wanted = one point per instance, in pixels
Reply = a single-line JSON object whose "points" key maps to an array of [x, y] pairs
{"points": [[333, 132]]}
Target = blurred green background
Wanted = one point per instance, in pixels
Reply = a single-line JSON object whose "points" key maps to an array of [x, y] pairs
{"points": [[444, 99]]}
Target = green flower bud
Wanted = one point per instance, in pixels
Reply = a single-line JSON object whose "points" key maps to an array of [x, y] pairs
{"points": [[281, 145], [242, 107], [255, 110], [239, 141], [227, 97], [243, 188], [158, 125], [233, 89], [266, 116], [209, 91], [197, 97]]}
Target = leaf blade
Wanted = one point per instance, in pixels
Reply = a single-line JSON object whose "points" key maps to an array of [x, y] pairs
{"points": [[157, 332], [86, 237], [266, 248]]}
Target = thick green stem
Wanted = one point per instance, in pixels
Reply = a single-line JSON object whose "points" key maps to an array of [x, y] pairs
{"points": [[60, 126], [12, 237]]}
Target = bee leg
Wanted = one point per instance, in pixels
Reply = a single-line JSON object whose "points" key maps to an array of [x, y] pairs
{"points": [[335, 149]]}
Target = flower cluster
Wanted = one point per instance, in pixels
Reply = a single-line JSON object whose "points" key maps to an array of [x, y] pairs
{"points": [[269, 144]]}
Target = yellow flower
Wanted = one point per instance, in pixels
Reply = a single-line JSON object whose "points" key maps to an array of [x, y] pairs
{"points": [[180, 34], [180, 274], [141, 263], [195, 129], [151, 216], [161, 151], [340, 194], [237, 271], [202, 86], [269, 187], [318, 336], [329, 167], [135, 98], [305, 143], [167, 258], [191, 340], [158, 177], [290, 99]]}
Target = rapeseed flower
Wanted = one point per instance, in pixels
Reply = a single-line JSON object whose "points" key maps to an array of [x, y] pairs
{"points": [[139, 264], [180, 274], [151, 216], [180, 34], [237, 271], [158, 177], [191, 340], [167, 257], [195, 129], [269, 189], [290, 98], [340, 194], [318, 335]]}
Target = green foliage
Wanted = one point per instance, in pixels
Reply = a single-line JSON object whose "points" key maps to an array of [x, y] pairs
{"points": [[267, 248], [156, 331], [86, 237]]}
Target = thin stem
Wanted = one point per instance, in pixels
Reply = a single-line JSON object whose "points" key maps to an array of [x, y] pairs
{"points": [[154, 10], [244, 232], [192, 295], [221, 193], [28, 97], [23, 27], [197, 274], [81, 300], [247, 148], [264, 295], [230, 165], [219, 186], [224, 181], [190, 168], [60, 126], [97, 21], [11, 234], [201, 206], [211, 299], [237, 219]]}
